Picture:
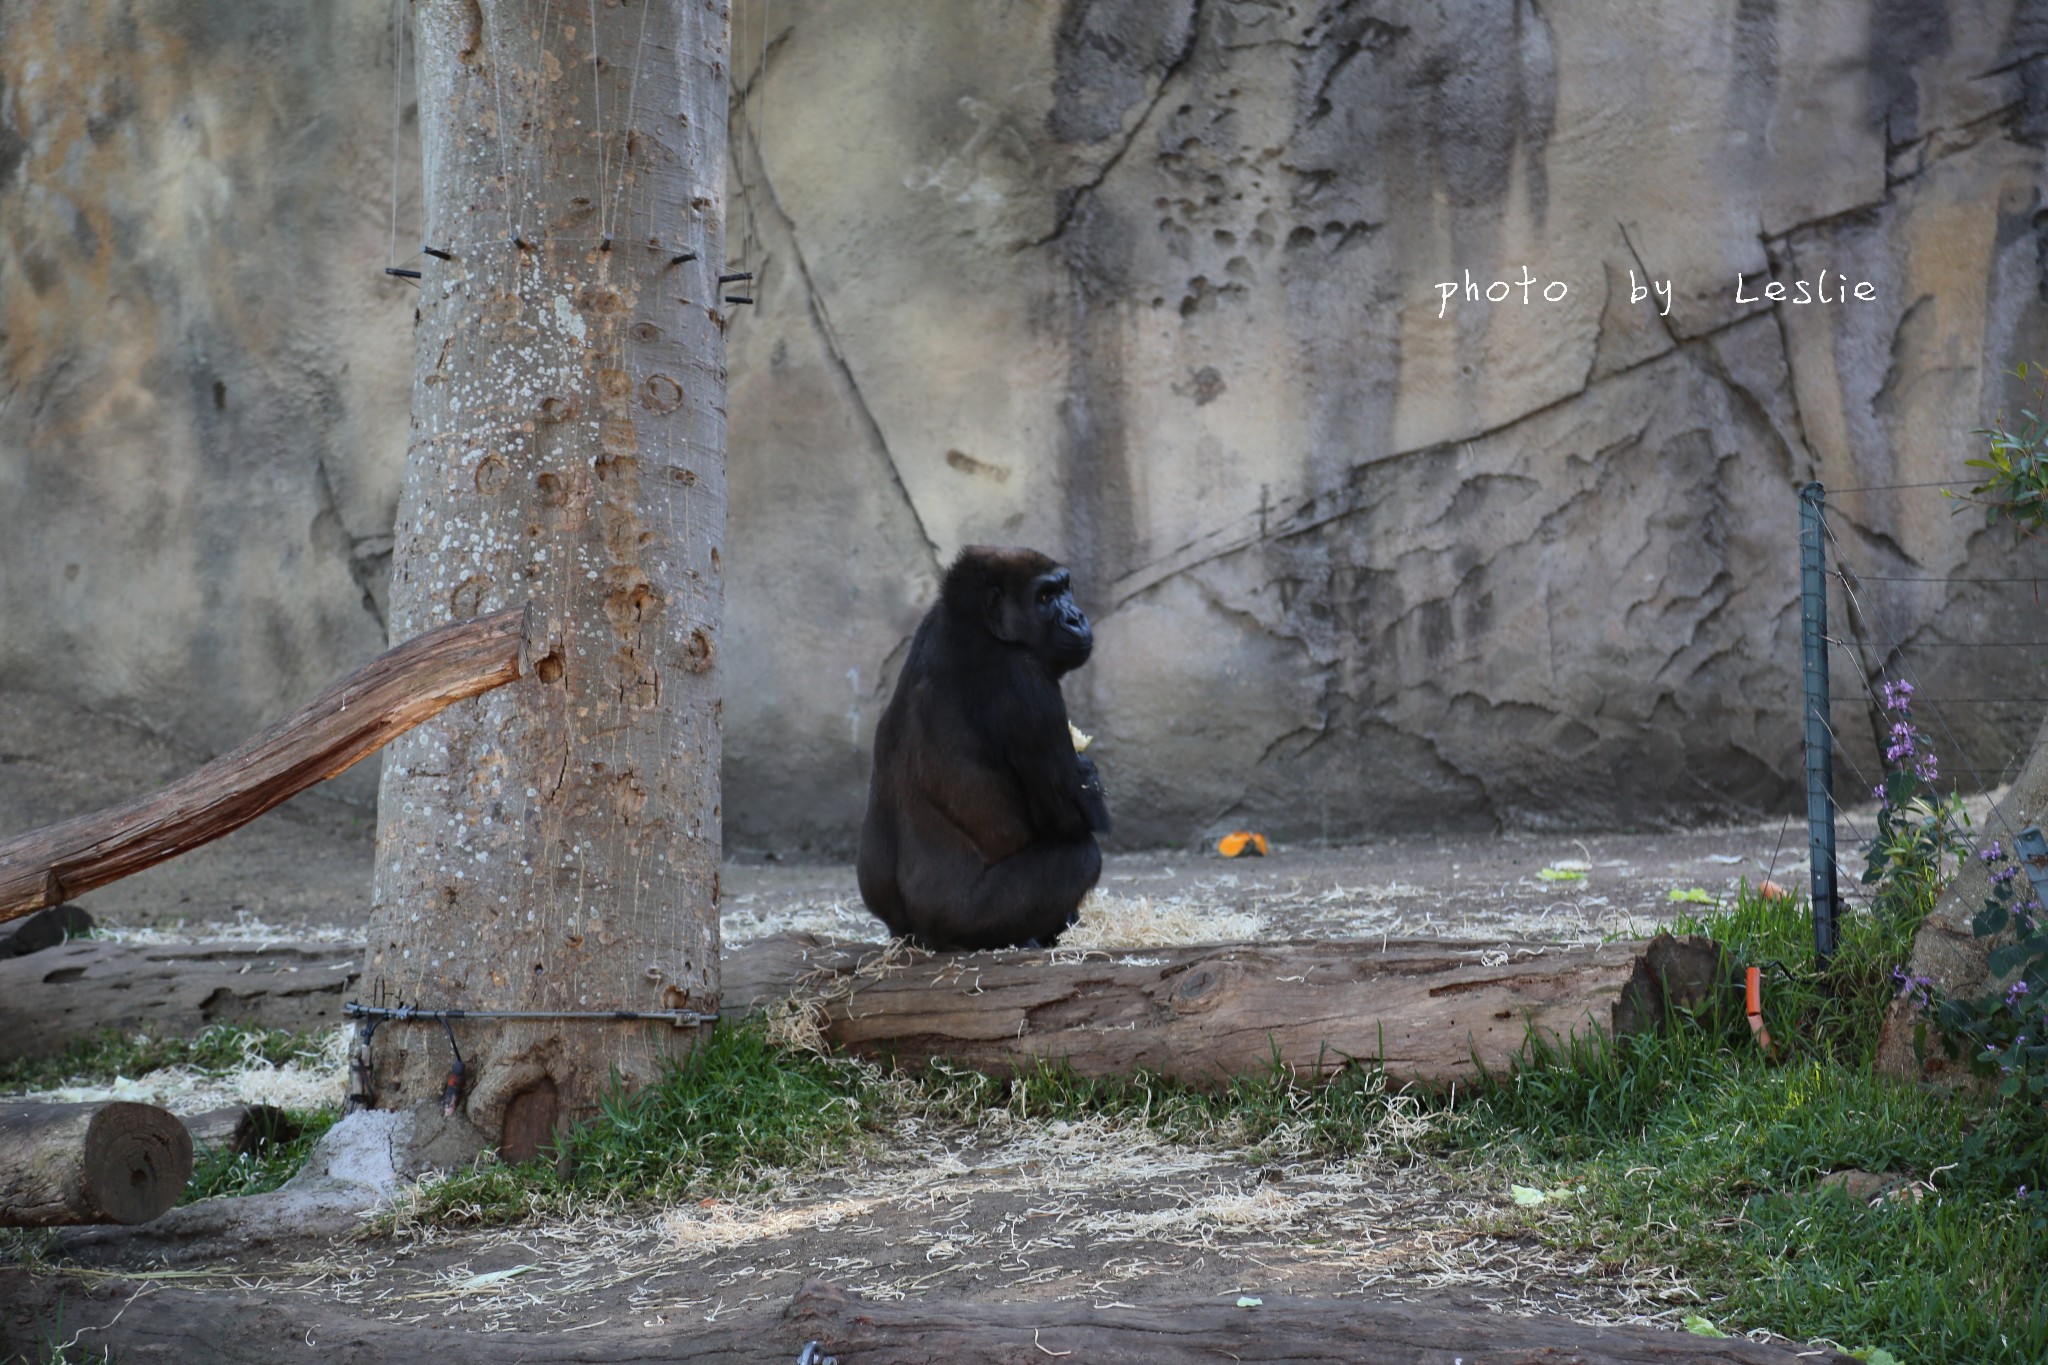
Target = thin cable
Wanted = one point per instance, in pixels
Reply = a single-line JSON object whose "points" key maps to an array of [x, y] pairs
{"points": [[1983, 788], [539, 97], [498, 99], [397, 115], [1771, 869], [760, 131], [411, 1014], [1966, 701], [1907, 578], [1956, 644], [1863, 782], [597, 114], [632, 109], [1886, 487]]}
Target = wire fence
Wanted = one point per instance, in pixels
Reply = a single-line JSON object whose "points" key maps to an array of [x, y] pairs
{"points": [[1971, 646]]}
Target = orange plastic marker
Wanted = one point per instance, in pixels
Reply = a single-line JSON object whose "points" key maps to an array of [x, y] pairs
{"points": [[1753, 1002]]}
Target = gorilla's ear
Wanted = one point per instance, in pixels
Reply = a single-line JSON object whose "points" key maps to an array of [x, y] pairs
{"points": [[998, 619]]}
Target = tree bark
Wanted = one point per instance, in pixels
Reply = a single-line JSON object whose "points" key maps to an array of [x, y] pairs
{"points": [[230, 1328], [1429, 1013], [63, 1164], [330, 734], [557, 847], [57, 997]]}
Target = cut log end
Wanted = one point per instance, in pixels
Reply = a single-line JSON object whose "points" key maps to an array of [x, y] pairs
{"points": [[63, 1164]]}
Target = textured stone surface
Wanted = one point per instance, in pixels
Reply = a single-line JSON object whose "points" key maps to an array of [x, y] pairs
{"points": [[203, 371], [1149, 285]]}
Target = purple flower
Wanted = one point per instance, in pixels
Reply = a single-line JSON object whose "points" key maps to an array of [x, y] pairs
{"points": [[1898, 696], [2014, 992], [1992, 852], [2004, 875], [1920, 988]]}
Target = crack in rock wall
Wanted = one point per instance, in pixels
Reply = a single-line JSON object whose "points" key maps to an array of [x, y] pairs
{"points": [[1150, 286]]}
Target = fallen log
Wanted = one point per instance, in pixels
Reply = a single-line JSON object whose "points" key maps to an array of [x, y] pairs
{"points": [[65, 1164], [164, 1325], [230, 1328], [52, 999], [348, 722], [1429, 1013], [45, 928], [1277, 1330]]}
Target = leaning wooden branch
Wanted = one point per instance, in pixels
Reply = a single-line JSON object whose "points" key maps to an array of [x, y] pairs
{"points": [[351, 720], [1430, 1013]]}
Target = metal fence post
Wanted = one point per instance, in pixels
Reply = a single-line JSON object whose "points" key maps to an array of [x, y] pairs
{"points": [[1820, 768]]}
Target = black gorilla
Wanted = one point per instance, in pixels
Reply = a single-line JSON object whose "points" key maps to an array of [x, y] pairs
{"points": [[981, 822]]}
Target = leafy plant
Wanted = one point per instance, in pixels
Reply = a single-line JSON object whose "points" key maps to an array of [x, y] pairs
{"points": [[2016, 463], [2001, 1031], [1919, 829]]}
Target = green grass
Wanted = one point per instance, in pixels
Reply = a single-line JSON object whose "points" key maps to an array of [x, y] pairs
{"points": [[1693, 1151], [276, 1159], [738, 1106], [215, 1051]]}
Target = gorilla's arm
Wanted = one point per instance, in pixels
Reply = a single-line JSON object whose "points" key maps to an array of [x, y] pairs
{"points": [[1062, 792], [1094, 805]]}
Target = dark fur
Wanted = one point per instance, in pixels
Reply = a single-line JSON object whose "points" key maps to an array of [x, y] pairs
{"points": [[981, 821]]}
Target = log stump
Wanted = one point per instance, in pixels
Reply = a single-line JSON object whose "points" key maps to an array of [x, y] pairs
{"points": [[65, 1164]]}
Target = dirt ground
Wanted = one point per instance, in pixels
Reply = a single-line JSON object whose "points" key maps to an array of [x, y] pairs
{"points": [[1005, 1210]]}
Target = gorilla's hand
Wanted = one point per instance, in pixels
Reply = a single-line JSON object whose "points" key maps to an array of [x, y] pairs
{"points": [[1093, 804]]}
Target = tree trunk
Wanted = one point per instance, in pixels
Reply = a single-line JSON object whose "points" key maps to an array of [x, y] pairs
{"points": [[555, 846], [60, 996], [1431, 1014], [63, 1164]]}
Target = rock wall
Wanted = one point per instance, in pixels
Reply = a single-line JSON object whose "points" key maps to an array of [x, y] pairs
{"points": [[1151, 284], [203, 372]]}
